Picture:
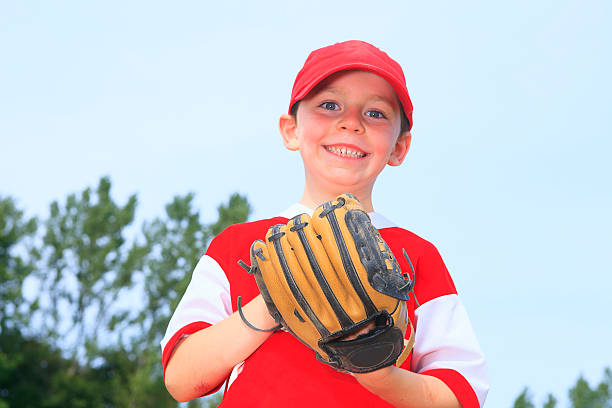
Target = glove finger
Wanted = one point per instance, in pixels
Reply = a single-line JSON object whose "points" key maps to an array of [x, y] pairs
{"points": [[333, 245], [316, 265], [268, 281], [329, 222], [300, 313]]}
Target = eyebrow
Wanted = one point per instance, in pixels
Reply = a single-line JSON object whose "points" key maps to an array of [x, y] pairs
{"points": [[376, 97], [383, 99]]}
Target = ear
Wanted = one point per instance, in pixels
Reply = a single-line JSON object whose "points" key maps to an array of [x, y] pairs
{"points": [[402, 145], [288, 130]]}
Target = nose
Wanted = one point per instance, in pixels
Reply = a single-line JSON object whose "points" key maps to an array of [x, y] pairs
{"points": [[351, 122]]}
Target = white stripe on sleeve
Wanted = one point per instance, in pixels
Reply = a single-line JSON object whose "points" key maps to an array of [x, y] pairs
{"points": [[207, 298], [445, 339]]}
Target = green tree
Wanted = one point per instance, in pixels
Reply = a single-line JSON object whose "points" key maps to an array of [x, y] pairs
{"points": [[15, 267], [84, 267], [551, 401], [583, 396], [237, 210], [524, 400], [34, 373], [109, 297], [175, 244]]}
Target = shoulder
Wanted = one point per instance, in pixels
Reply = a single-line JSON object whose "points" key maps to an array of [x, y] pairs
{"points": [[432, 277], [395, 235], [258, 227], [240, 236]]}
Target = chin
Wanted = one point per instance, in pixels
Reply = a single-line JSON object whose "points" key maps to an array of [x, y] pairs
{"points": [[345, 185]]}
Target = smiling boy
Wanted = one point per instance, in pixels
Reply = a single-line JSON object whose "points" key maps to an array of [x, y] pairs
{"points": [[347, 130], [349, 116]]}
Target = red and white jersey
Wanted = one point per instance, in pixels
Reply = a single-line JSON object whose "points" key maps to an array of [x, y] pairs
{"points": [[284, 372]]}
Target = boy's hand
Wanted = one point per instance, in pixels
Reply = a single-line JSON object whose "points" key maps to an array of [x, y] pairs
{"points": [[332, 282], [367, 329]]}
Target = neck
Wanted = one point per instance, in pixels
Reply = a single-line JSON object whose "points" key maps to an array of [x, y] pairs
{"points": [[313, 197]]}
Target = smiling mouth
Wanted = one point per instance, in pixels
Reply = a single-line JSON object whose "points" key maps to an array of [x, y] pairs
{"points": [[345, 152]]}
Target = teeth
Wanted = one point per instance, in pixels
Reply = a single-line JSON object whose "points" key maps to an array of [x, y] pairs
{"points": [[343, 151]]}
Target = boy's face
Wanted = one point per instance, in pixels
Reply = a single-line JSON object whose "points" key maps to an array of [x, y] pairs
{"points": [[347, 130]]}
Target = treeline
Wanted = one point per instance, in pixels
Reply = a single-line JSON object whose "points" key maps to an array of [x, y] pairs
{"points": [[581, 395], [85, 297]]}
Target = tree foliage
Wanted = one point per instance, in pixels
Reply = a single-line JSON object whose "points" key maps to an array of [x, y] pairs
{"points": [[101, 292], [581, 395], [14, 267], [551, 401], [84, 266], [524, 400]]}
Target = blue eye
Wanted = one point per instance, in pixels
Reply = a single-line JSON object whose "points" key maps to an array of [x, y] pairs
{"points": [[330, 106], [375, 114]]}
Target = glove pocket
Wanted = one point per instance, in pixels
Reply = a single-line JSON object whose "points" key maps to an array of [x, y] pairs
{"points": [[378, 348]]}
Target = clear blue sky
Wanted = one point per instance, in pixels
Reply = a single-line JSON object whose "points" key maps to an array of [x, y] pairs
{"points": [[509, 172]]}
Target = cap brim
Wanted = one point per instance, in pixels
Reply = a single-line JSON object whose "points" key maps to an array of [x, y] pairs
{"points": [[399, 89]]}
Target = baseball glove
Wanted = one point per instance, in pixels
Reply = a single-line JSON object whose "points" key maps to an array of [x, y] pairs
{"points": [[327, 278]]}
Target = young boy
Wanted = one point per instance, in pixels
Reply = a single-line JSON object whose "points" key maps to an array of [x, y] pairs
{"points": [[350, 115]]}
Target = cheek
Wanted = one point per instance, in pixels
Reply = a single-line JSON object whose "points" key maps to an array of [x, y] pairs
{"points": [[314, 135], [385, 145]]}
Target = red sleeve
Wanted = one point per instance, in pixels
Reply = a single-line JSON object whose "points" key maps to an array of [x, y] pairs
{"points": [[433, 279], [220, 247], [458, 385], [186, 330]]}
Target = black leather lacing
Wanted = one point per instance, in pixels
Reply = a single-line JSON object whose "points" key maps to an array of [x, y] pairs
{"points": [[412, 281], [239, 301]]}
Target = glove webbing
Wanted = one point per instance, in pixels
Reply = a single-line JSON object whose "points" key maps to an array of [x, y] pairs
{"points": [[349, 267]]}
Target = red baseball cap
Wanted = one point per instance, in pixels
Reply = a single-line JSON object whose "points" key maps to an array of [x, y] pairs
{"points": [[348, 55]]}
